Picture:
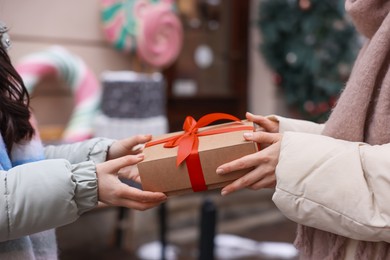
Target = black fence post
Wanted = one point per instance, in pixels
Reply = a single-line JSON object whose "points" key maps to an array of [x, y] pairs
{"points": [[163, 229], [208, 221]]}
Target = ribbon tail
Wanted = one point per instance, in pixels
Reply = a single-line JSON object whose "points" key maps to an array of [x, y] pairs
{"points": [[194, 168]]}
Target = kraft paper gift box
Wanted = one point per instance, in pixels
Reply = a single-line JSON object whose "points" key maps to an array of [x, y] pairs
{"points": [[162, 170]]}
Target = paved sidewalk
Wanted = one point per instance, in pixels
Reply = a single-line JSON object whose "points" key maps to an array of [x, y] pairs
{"points": [[246, 214]]}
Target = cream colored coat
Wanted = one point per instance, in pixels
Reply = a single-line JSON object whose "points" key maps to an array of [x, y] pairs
{"points": [[344, 188]]}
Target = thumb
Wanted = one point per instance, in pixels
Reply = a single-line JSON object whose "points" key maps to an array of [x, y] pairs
{"points": [[263, 122], [263, 137], [130, 142], [114, 165]]}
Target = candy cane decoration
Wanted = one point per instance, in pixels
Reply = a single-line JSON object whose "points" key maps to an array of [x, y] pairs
{"points": [[148, 28], [80, 79], [119, 24], [160, 35]]}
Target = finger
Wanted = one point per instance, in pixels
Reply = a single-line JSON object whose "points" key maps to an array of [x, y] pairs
{"points": [[114, 165], [140, 206], [133, 141], [245, 162], [260, 177], [133, 194], [137, 149], [137, 199], [267, 157], [262, 121], [267, 182], [262, 137], [245, 181], [253, 118]]}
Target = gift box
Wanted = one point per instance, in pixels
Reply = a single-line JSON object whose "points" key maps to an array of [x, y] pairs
{"points": [[186, 161]]}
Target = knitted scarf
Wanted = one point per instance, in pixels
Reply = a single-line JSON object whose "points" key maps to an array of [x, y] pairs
{"points": [[362, 113], [40, 245]]}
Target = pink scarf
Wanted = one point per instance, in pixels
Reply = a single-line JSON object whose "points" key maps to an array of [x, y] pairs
{"points": [[362, 113]]}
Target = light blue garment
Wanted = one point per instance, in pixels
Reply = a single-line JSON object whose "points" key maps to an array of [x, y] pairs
{"points": [[5, 162], [41, 245]]}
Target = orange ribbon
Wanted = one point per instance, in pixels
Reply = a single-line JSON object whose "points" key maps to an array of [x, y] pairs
{"points": [[188, 143]]}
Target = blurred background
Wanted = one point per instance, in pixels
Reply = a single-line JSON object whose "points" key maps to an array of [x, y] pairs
{"points": [[116, 68]]}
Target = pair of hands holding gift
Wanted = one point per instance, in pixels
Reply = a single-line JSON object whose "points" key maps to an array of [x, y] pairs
{"points": [[263, 162], [122, 158]]}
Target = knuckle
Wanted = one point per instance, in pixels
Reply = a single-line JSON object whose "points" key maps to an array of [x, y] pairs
{"points": [[241, 164], [266, 159], [128, 160], [243, 182]]}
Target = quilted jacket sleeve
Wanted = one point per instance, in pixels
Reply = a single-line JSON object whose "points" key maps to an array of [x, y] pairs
{"points": [[50, 193], [94, 149], [334, 185]]}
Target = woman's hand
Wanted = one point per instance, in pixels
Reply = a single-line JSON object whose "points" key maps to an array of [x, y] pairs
{"points": [[127, 146], [263, 162], [112, 191]]}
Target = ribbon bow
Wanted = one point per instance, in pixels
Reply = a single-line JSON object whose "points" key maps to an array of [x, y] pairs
{"points": [[188, 141]]}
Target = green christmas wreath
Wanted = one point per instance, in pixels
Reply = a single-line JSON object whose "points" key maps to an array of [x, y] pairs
{"points": [[311, 46]]}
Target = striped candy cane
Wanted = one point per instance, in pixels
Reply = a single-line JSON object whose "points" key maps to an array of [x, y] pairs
{"points": [[80, 79], [120, 24]]}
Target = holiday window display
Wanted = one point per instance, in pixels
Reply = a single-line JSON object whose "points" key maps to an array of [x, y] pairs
{"points": [[132, 103], [128, 94], [310, 45]]}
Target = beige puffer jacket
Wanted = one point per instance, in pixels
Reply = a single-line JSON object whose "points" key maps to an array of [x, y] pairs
{"points": [[343, 188], [51, 193]]}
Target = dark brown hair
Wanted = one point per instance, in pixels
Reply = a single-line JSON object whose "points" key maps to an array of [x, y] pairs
{"points": [[14, 104]]}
